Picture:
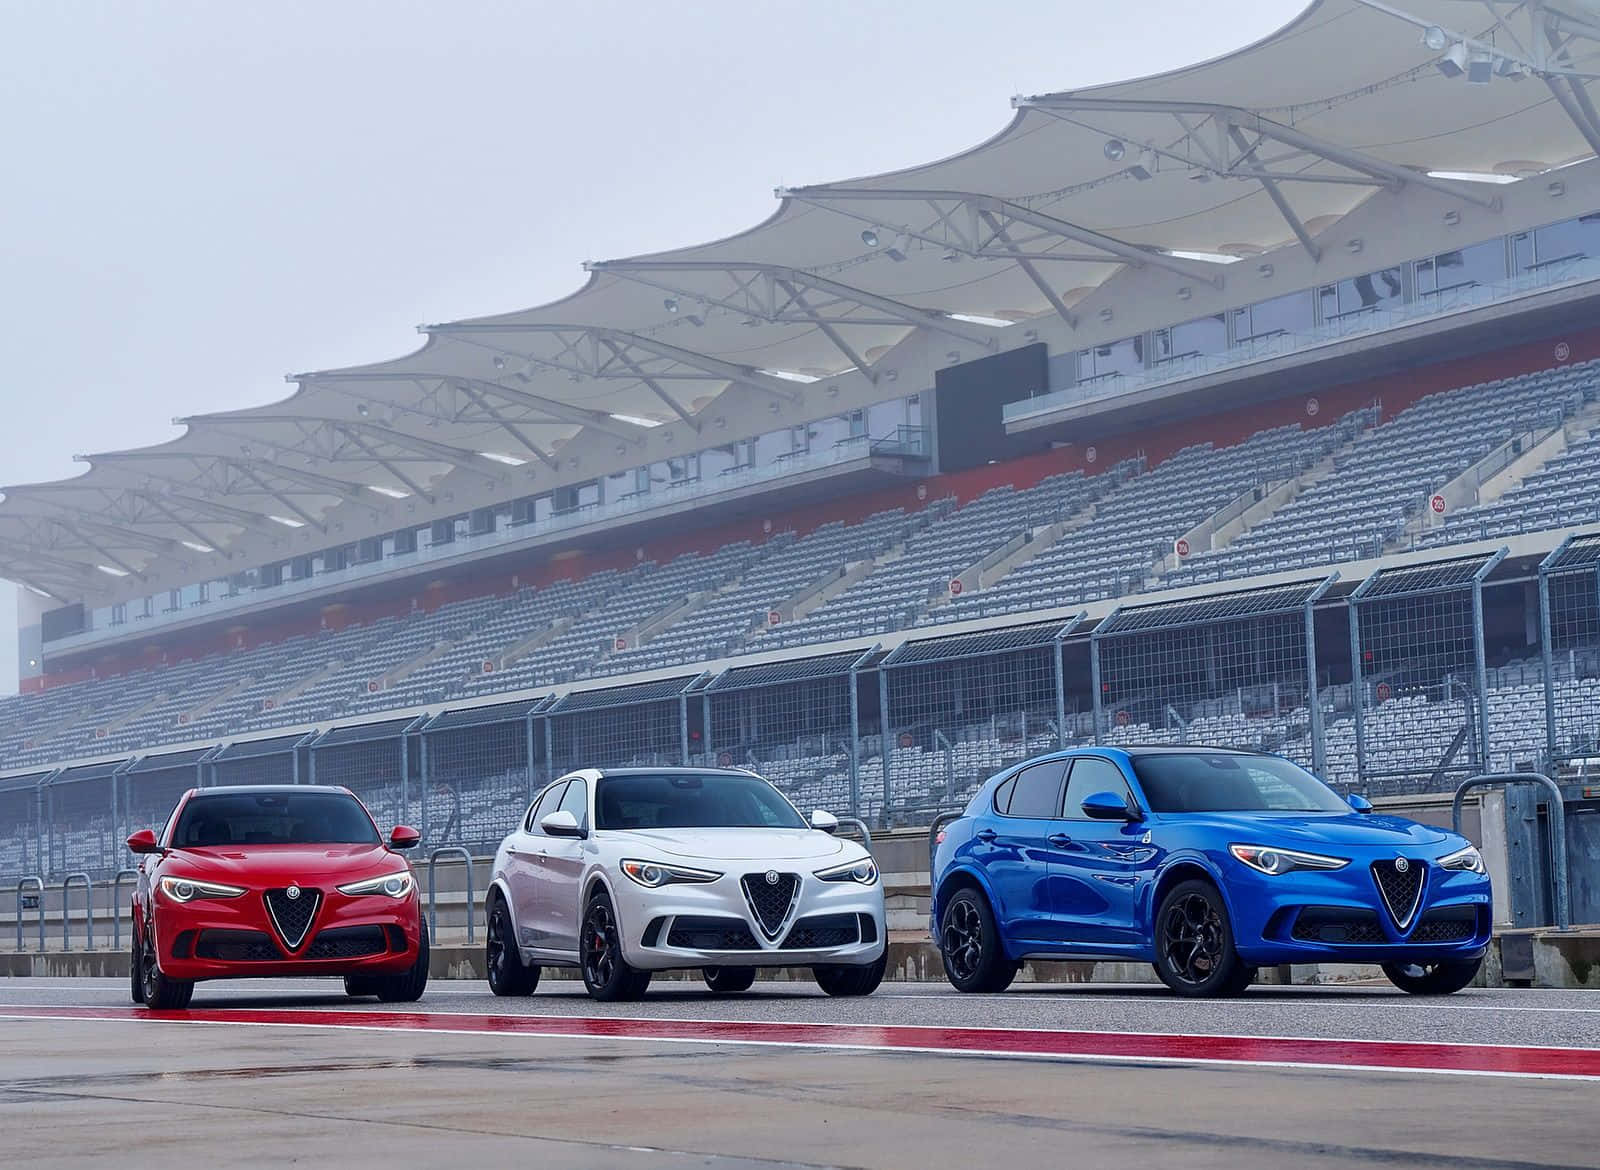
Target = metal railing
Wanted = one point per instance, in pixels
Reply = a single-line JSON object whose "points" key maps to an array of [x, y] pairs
{"points": [[433, 895], [37, 884], [116, 906], [1558, 828]]}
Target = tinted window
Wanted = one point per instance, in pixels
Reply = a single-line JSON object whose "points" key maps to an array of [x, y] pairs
{"points": [[273, 818], [1091, 774], [687, 800], [1214, 782], [547, 805], [576, 802], [1038, 791], [1002, 794]]}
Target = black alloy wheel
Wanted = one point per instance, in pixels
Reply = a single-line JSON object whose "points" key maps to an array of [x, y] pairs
{"points": [[606, 973], [1195, 955], [508, 974], [160, 993], [970, 945]]}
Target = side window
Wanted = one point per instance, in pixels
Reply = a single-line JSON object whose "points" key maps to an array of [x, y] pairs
{"points": [[1038, 791], [576, 802], [543, 807], [1002, 795], [1091, 774]]}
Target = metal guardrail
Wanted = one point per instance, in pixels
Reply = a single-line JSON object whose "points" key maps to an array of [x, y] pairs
{"points": [[67, 883], [116, 906], [433, 897], [1558, 827], [939, 822], [37, 884], [860, 826]]}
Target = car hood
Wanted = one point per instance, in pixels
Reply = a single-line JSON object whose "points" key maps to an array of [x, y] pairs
{"points": [[738, 844], [267, 865], [1310, 830]]}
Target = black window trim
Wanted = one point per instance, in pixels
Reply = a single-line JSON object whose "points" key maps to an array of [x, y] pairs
{"points": [[1064, 763], [528, 825]]}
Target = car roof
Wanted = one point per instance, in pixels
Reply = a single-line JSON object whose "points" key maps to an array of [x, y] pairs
{"points": [[645, 771], [267, 789]]}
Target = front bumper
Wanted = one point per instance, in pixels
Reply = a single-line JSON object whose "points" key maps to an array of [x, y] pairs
{"points": [[1339, 916], [235, 938], [712, 924]]}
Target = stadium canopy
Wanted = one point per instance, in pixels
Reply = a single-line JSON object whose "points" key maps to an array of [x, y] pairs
{"points": [[1186, 171]]}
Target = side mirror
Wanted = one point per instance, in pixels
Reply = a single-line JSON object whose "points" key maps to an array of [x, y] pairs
{"points": [[144, 841], [825, 821], [1108, 806], [404, 837], [1360, 803], [561, 823]]}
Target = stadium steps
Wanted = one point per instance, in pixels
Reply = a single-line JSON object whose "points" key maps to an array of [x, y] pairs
{"points": [[214, 700], [155, 701], [410, 666], [1505, 469], [48, 731], [525, 646], [1239, 516], [817, 594], [1016, 552], [679, 608], [303, 684]]}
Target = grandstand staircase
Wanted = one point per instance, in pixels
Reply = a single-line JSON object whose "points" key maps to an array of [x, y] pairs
{"points": [[301, 685], [528, 643], [1016, 552], [410, 666], [215, 700], [105, 730], [74, 718], [1503, 470], [1240, 515]]}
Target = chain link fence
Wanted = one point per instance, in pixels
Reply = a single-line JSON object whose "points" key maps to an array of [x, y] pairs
{"points": [[1419, 681], [22, 849], [278, 760], [376, 761], [617, 727], [793, 722], [81, 821], [151, 787], [1237, 670], [961, 708], [479, 768], [1569, 606]]}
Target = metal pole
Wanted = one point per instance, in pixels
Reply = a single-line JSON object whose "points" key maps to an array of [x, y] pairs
{"points": [[1547, 657], [1058, 670], [1480, 673], [1357, 705], [884, 738], [1319, 746], [1095, 685], [116, 906], [533, 775], [683, 727], [855, 742]]}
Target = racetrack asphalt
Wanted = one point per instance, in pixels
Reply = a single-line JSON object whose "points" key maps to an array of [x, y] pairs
{"points": [[557, 1080]]}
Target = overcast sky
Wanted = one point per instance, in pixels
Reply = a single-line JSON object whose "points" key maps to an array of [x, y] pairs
{"points": [[199, 197]]}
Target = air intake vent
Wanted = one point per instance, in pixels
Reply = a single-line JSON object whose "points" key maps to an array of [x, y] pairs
{"points": [[292, 915], [771, 896]]}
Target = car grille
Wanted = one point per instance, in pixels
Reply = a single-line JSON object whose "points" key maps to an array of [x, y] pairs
{"points": [[770, 901], [237, 946], [823, 930], [292, 916], [1337, 924], [1401, 889], [1455, 924], [711, 934], [347, 942]]}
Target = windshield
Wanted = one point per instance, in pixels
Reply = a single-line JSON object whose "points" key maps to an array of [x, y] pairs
{"points": [[690, 801], [1216, 782], [273, 818]]}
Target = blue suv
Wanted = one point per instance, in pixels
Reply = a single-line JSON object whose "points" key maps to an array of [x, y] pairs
{"points": [[1206, 862]]}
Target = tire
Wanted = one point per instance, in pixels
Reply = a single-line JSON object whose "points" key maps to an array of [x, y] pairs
{"points": [[1195, 955], [606, 973], [135, 969], [502, 958], [969, 945], [408, 986], [839, 980], [159, 992], [1442, 978], [357, 986], [725, 980]]}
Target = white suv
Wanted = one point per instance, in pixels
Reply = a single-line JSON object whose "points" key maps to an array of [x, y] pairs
{"points": [[628, 871]]}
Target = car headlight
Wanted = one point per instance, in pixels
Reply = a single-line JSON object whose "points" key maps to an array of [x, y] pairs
{"points": [[1268, 860], [1467, 860], [188, 889], [864, 871], [394, 885], [657, 873]]}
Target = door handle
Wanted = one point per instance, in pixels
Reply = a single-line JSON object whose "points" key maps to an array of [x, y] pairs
{"points": [[986, 835], [1059, 839]]}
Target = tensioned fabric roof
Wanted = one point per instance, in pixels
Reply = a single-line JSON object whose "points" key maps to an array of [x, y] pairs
{"points": [[1272, 144]]}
